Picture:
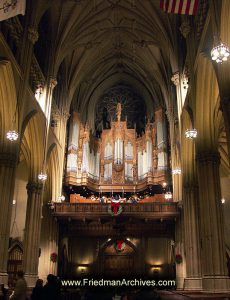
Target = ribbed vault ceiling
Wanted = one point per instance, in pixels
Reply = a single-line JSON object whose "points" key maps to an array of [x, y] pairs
{"points": [[97, 43]]}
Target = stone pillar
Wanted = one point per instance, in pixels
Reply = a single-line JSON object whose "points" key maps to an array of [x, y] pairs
{"points": [[213, 259], [32, 232], [7, 180], [61, 118], [179, 249], [175, 133], [48, 244], [193, 279]]}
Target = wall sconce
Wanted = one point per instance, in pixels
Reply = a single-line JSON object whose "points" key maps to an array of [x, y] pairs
{"points": [[156, 269], [82, 269]]}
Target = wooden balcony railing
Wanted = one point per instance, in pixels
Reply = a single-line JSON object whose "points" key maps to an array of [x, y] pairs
{"points": [[155, 210]]}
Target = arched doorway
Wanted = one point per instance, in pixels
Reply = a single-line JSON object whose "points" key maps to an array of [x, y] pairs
{"points": [[14, 262], [117, 258]]}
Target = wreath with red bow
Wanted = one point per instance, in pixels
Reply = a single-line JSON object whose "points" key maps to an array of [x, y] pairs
{"points": [[178, 259], [53, 257], [115, 209], [119, 245]]}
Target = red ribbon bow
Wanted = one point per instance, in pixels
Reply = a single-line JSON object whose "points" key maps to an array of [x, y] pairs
{"points": [[119, 244], [115, 207]]}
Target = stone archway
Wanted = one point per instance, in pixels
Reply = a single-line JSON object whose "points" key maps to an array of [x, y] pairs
{"points": [[115, 262]]}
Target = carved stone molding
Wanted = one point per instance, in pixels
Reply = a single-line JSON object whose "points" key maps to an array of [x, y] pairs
{"points": [[8, 159], [34, 187], [33, 35], [53, 82], [185, 28], [176, 78]]}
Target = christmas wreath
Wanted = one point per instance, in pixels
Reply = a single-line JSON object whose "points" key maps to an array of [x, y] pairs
{"points": [[119, 245], [115, 209], [178, 259], [53, 257]]}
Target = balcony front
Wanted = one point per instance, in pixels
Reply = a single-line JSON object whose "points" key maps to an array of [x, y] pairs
{"points": [[157, 210]]}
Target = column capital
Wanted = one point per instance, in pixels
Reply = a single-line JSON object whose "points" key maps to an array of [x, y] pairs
{"points": [[209, 156], [185, 28], [53, 82], [34, 187], [33, 35], [176, 78], [65, 115], [8, 159]]}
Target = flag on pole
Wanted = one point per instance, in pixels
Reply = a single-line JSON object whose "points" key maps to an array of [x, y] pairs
{"points": [[181, 7], [11, 8]]}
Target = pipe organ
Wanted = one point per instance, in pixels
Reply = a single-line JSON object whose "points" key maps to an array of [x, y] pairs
{"points": [[119, 160]]}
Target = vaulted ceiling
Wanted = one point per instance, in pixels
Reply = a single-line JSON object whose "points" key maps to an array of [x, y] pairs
{"points": [[98, 43]]}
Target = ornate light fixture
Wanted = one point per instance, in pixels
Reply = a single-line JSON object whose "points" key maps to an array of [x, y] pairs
{"points": [[168, 195], [42, 176], [222, 200], [164, 184], [220, 53], [12, 135], [191, 133], [176, 171], [61, 198], [51, 205]]}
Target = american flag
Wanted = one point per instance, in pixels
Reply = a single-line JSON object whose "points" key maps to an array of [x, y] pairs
{"points": [[182, 7]]}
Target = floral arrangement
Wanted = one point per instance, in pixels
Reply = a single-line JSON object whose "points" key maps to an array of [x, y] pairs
{"points": [[53, 257], [178, 259]]}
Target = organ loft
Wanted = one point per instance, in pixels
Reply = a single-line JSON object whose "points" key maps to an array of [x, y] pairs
{"points": [[120, 160]]}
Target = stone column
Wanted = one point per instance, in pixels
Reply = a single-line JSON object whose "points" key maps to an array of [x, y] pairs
{"points": [[193, 279], [48, 244], [61, 118], [7, 181], [32, 232], [179, 249], [213, 259], [175, 133]]}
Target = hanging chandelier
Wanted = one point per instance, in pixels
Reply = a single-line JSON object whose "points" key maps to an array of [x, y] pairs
{"points": [[176, 171], [42, 176], [12, 135], [191, 133], [168, 195], [220, 53], [61, 198]]}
